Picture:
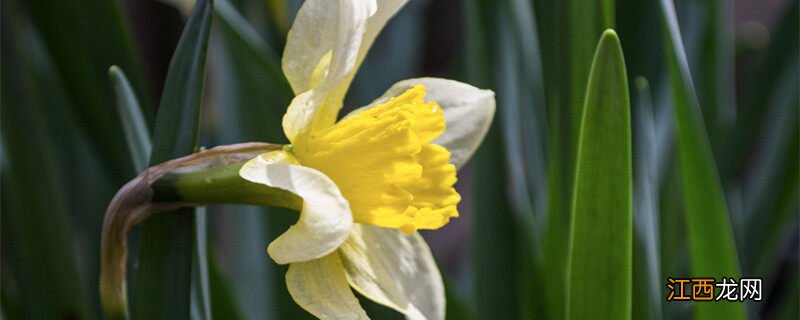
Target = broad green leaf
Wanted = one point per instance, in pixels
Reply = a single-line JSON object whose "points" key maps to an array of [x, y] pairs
{"points": [[37, 235], [133, 122], [165, 260], [601, 235], [568, 45], [711, 242]]}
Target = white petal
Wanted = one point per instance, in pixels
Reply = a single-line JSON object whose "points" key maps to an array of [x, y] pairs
{"points": [[322, 27], [320, 287], [322, 54], [468, 113], [300, 113], [325, 219], [394, 269]]}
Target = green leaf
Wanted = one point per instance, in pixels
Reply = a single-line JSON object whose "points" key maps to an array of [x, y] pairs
{"points": [[716, 85], [521, 87], [552, 16], [780, 55], [165, 260], [496, 244], [224, 305], [771, 181], [255, 78], [201, 295], [137, 135], [586, 23], [601, 243], [37, 236], [84, 38], [568, 45], [257, 95], [608, 8], [647, 285], [456, 306], [133, 122], [522, 109], [711, 242]]}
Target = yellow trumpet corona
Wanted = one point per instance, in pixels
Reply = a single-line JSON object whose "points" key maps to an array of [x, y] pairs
{"points": [[385, 165]]}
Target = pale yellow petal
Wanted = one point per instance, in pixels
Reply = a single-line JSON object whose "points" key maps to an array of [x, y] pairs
{"points": [[319, 286], [325, 219], [323, 53], [394, 269], [320, 28]]}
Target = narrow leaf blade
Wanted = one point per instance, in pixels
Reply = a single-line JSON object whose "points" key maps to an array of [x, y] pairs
{"points": [[84, 38], [165, 261], [601, 238], [40, 262], [711, 243], [133, 121]]}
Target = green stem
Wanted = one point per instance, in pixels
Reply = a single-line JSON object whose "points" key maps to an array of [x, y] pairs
{"points": [[221, 185]]}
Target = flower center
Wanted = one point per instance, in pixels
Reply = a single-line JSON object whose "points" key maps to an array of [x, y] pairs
{"points": [[385, 165]]}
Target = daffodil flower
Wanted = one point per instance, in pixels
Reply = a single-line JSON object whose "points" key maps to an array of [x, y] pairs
{"points": [[364, 184]]}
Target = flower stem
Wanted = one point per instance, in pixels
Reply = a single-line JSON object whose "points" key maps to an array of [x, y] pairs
{"points": [[220, 185]]}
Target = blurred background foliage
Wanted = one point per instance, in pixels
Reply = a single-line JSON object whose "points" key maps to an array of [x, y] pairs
{"points": [[714, 99]]}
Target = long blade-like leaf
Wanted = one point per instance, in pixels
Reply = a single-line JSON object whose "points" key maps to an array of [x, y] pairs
{"points": [[37, 236], [84, 38], [495, 244], [165, 259], [587, 19], [647, 275], [778, 57], [201, 295], [136, 132], [256, 93], [711, 242], [601, 240]]}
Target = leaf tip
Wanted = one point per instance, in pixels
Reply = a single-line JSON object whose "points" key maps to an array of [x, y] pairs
{"points": [[113, 70], [609, 37], [641, 83]]}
